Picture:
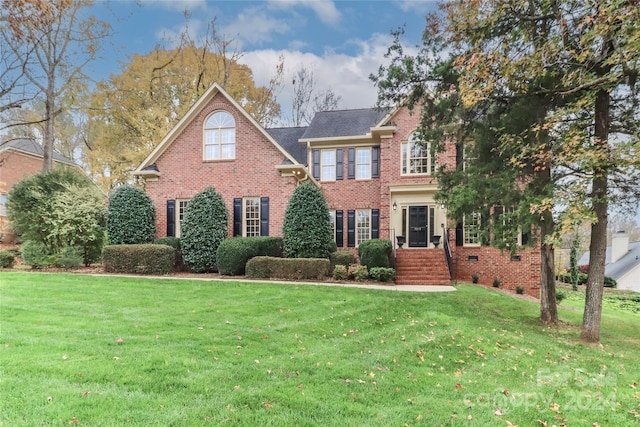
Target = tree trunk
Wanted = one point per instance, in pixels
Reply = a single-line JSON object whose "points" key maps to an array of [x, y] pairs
{"points": [[591, 319], [548, 306], [50, 114]]}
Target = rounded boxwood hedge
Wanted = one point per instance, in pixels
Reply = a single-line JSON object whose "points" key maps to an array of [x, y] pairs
{"points": [[204, 227], [233, 254], [375, 253]]}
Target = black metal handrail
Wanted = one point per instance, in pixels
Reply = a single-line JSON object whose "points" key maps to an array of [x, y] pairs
{"points": [[447, 251]]}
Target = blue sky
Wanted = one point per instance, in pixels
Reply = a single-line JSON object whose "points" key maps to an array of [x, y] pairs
{"points": [[344, 41]]}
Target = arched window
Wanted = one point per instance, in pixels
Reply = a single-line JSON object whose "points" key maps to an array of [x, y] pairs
{"points": [[417, 157], [219, 136]]}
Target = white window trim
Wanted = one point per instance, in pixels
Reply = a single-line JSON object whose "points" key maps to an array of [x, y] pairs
{"points": [[178, 213], [323, 165], [333, 215], [245, 219], [358, 228], [405, 163], [370, 164], [218, 146], [466, 233]]}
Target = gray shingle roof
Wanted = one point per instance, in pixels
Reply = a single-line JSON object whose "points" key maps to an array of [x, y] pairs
{"points": [[32, 147], [329, 124], [620, 267], [288, 139]]}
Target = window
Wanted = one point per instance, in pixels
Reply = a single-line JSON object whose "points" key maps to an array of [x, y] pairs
{"points": [[363, 225], [416, 157], [3, 205], [363, 163], [251, 217], [472, 229], [332, 214], [182, 206], [219, 136], [328, 165]]}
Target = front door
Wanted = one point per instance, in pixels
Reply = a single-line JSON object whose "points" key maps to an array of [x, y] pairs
{"points": [[418, 230]]}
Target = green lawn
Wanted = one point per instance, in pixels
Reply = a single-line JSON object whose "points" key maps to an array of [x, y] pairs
{"points": [[110, 351]]}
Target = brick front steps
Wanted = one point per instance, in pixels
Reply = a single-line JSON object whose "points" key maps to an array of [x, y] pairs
{"points": [[421, 267]]}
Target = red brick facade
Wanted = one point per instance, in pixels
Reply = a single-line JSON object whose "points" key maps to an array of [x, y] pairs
{"points": [[176, 170]]}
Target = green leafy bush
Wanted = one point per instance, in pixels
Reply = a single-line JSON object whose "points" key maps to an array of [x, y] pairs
{"points": [[138, 259], [560, 296], [7, 259], [307, 224], [59, 208], [496, 282], [36, 254], [70, 257], [358, 272], [610, 282], [340, 272], [174, 242], [288, 268], [131, 218], [204, 227], [342, 257], [233, 254], [375, 252], [475, 278], [519, 290], [382, 274]]}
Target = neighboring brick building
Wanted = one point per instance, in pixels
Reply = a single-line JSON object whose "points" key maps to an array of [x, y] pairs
{"points": [[20, 158], [377, 180]]}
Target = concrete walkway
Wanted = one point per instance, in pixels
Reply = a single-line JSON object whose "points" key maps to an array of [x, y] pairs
{"points": [[381, 287]]}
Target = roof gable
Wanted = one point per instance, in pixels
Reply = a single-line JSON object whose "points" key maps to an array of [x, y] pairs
{"points": [[214, 90], [29, 146], [340, 123]]}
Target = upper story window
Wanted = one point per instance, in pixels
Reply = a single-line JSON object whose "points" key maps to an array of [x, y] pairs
{"points": [[219, 136], [417, 158], [328, 165], [363, 163]]}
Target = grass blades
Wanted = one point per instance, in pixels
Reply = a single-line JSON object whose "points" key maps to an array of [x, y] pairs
{"points": [[107, 351]]}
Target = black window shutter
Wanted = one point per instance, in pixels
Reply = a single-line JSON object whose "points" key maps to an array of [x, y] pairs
{"points": [[339, 163], [237, 216], [459, 235], [316, 163], [459, 156], [525, 237], [340, 228], [375, 223], [351, 228], [375, 162], [351, 167], [264, 216], [171, 218]]}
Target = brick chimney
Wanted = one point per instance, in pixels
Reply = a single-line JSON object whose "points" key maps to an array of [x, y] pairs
{"points": [[619, 245]]}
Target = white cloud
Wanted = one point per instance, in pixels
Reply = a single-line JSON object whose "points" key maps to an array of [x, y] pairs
{"points": [[420, 6], [347, 76], [252, 25], [179, 5], [325, 9]]}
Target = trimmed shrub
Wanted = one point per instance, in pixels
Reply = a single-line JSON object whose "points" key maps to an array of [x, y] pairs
{"points": [[138, 259], [340, 272], [560, 296], [342, 257], [610, 282], [204, 227], [70, 257], [519, 290], [131, 217], [475, 278], [288, 268], [174, 242], [307, 224], [233, 254], [7, 259], [382, 274], [496, 282], [358, 272], [35, 254], [375, 252]]}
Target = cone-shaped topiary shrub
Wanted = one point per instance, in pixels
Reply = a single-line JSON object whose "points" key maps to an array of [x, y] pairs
{"points": [[131, 218]]}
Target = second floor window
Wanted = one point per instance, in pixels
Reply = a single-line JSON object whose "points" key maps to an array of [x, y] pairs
{"points": [[328, 165], [219, 137], [363, 163], [417, 158]]}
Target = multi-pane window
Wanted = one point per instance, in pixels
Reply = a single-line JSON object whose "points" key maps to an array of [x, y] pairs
{"points": [[182, 206], [332, 215], [363, 163], [220, 136], [251, 216], [417, 158], [328, 165], [363, 225], [472, 229], [3, 205]]}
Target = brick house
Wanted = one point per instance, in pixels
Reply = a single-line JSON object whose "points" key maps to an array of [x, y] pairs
{"points": [[377, 181], [20, 158]]}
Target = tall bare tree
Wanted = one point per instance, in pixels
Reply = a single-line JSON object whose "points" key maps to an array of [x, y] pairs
{"points": [[307, 100], [63, 41]]}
